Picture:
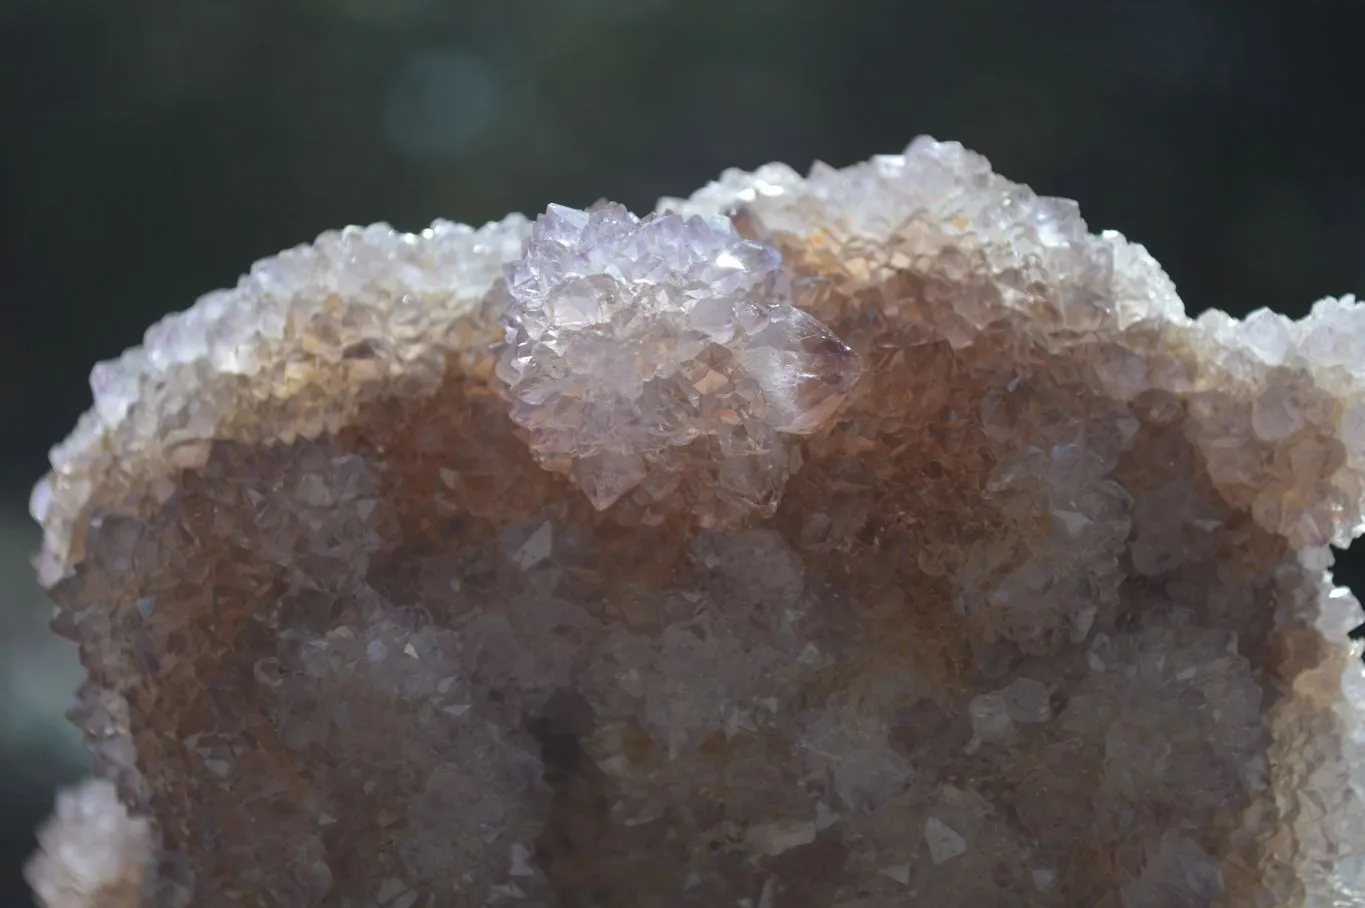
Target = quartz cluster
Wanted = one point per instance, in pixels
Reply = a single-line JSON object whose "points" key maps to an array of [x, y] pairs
{"points": [[880, 537], [664, 355]]}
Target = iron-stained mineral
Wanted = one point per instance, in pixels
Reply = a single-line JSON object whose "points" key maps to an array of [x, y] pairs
{"points": [[875, 538]]}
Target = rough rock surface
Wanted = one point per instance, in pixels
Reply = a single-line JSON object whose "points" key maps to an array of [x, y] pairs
{"points": [[897, 542]]}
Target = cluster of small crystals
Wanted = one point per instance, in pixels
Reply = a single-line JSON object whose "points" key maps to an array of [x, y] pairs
{"points": [[1278, 403], [303, 333], [1040, 617], [93, 854], [662, 356]]}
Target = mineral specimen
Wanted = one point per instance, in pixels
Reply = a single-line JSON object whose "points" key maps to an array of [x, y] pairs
{"points": [[871, 539]]}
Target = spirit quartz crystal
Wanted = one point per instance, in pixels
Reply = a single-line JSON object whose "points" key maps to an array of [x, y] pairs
{"points": [[875, 538]]}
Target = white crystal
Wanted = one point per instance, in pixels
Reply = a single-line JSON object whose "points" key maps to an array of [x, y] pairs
{"points": [[735, 187], [536, 548], [356, 286], [629, 340], [944, 844], [1268, 335], [1275, 415], [93, 855]]}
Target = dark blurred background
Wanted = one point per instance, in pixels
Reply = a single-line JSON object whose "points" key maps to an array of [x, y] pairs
{"points": [[150, 150]]}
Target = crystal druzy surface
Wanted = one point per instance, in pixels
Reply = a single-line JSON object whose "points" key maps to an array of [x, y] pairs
{"points": [[869, 539], [663, 357]]}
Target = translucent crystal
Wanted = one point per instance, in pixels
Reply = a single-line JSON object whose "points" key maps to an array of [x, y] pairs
{"points": [[93, 854], [944, 843], [664, 349]]}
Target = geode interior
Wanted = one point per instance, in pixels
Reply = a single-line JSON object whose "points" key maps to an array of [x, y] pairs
{"points": [[869, 539]]}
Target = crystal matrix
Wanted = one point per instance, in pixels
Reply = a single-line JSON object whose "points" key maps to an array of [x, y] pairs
{"points": [[875, 538]]}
